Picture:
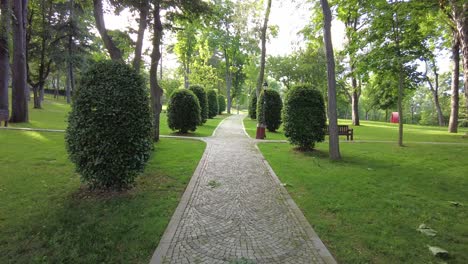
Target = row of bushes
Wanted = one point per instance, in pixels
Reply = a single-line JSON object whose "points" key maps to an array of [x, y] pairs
{"points": [[189, 108], [303, 114]]}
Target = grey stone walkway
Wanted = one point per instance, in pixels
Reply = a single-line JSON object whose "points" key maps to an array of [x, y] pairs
{"points": [[235, 209]]}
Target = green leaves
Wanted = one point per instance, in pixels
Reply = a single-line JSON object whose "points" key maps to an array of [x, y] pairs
{"points": [[109, 128]]}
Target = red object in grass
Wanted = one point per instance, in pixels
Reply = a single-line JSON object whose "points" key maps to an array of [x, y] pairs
{"points": [[260, 132], [395, 118]]}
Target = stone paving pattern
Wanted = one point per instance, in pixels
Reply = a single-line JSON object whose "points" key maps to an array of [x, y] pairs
{"points": [[236, 211]]}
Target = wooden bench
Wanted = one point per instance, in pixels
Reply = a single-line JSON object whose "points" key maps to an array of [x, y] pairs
{"points": [[343, 130], [4, 115]]}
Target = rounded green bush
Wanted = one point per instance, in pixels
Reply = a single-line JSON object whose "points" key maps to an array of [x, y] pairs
{"points": [[203, 100], [108, 137], [183, 111], [273, 106], [304, 116], [212, 104], [221, 104], [253, 105]]}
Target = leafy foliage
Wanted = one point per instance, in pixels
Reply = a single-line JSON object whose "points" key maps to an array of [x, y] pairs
{"points": [[203, 100], [109, 128], [304, 116], [270, 101], [253, 106], [183, 111], [212, 104], [221, 104]]}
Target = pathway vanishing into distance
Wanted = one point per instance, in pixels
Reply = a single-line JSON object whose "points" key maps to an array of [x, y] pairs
{"points": [[235, 210]]}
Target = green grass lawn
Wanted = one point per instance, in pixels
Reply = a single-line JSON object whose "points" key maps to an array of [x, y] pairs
{"points": [[366, 208], [55, 113], [46, 217], [371, 130]]}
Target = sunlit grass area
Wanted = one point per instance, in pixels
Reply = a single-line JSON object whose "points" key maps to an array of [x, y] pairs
{"points": [[54, 115], [371, 130], [46, 216], [367, 207]]}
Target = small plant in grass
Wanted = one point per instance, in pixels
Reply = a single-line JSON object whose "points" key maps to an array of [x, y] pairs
{"points": [[221, 104], [270, 101], [212, 104], [253, 105], [183, 111], [109, 127], [304, 117], [203, 100]]}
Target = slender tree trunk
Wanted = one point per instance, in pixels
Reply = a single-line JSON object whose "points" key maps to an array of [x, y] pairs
{"points": [[57, 84], [113, 50], [435, 95], [186, 73], [261, 74], [453, 122], [355, 97], [156, 91], [69, 79], [144, 9], [228, 81], [68, 86], [19, 94], [334, 144], [4, 53]]}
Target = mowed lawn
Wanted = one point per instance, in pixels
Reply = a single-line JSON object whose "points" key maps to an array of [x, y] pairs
{"points": [[367, 207], [46, 216], [55, 113], [380, 131]]}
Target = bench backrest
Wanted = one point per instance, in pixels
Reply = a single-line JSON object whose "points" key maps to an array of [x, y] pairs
{"points": [[343, 128]]}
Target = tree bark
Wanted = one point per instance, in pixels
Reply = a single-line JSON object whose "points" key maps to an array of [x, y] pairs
{"points": [[453, 122], [144, 9], [355, 101], [113, 50], [228, 81], [334, 144], [261, 73], [155, 89], [460, 14], [20, 91], [4, 53], [435, 94]]}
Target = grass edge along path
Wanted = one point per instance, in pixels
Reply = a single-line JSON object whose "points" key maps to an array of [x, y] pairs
{"points": [[379, 131], [46, 216], [367, 207]]}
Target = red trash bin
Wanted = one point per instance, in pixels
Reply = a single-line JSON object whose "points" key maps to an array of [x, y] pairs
{"points": [[395, 118]]}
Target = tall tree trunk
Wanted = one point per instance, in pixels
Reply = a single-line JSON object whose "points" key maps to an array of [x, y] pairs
{"points": [[113, 50], [334, 144], [4, 53], [460, 14], [156, 91], [355, 97], [68, 86], [228, 78], [261, 73], [186, 75], [435, 93], [453, 122], [70, 45], [144, 9], [19, 94]]}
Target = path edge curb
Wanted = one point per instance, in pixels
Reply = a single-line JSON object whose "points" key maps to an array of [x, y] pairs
{"points": [[169, 233], [313, 236]]}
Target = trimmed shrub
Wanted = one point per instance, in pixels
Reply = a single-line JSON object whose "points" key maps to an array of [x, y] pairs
{"points": [[221, 104], [212, 103], [109, 127], [253, 105], [304, 116], [273, 106], [183, 111], [203, 100]]}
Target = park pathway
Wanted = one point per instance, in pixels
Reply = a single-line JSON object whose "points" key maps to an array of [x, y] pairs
{"points": [[236, 211]]}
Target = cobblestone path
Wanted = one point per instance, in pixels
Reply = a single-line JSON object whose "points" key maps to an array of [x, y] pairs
{"points": [[235, 211]]}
